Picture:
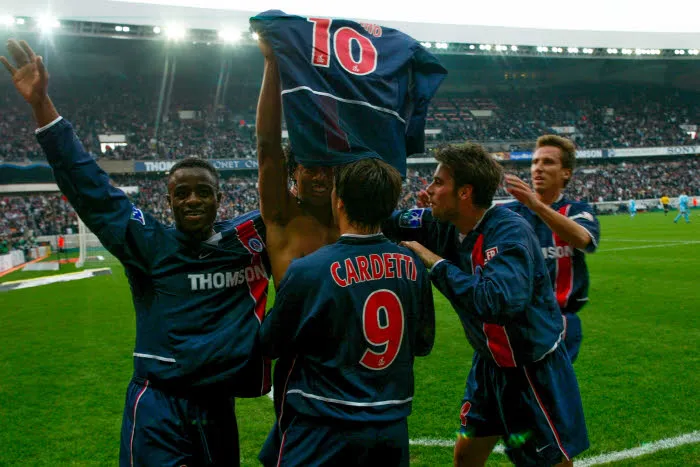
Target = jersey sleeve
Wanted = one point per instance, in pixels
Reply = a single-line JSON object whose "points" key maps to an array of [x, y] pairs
{"points": [[425, 332], [279, 328], [121, 227], [412, 225], [494, 294], [583, 215], [426, 78]]}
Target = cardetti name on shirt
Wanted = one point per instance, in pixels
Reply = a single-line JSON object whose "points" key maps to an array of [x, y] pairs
{"points": [[220, 280], [372, 268]]}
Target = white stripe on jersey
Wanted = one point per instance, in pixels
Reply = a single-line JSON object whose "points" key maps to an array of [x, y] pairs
{"points": [[354, 404]]}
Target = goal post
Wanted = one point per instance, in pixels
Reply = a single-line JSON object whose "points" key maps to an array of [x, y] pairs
{"points": [[90, 250]]}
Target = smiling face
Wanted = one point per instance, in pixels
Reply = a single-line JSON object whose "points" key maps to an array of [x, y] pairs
{"points": [[546, 170], [314, 184], [194, 199]]}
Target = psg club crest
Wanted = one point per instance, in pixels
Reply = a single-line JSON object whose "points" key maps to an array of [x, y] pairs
{"points": [[412, 219], [255, 245]]}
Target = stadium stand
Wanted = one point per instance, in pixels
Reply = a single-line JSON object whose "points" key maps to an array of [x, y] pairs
{"points": [[50, 214]]}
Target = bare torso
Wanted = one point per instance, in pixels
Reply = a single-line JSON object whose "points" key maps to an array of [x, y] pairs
{"points": [[301, 235]]}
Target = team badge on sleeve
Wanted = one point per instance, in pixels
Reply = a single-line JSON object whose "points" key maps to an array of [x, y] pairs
{"points": [[412, 219], [255, 245], [137, 215]]}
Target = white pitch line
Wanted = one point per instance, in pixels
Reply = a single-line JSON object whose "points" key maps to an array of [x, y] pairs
{"points": [[643, 450], [663, 245], [271, 394], [662, 444], [668, 443], [614, 240]]}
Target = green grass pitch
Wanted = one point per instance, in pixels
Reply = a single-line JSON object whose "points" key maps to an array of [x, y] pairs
{"points": [[65, 359]]}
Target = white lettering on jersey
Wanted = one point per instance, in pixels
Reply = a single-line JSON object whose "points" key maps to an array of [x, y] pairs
{"points": [[557, 252], [221, 280]]}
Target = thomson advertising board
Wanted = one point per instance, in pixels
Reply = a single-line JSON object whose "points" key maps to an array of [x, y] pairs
{"points": [[220, 164]]}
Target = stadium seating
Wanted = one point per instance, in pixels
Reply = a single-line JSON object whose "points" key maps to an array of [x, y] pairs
{"points": [[47, 214]]}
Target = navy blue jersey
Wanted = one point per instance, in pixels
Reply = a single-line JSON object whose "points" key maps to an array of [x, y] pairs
{"points": [[350, 90], [355, 314], [496, 280], [566, 264], [198, 304]]}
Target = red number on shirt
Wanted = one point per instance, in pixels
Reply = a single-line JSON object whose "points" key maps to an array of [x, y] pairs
{"points": [[320, 49], [343, 41], [387, 332]]}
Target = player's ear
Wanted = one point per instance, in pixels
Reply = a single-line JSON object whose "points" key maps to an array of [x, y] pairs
{"points": [[170, 203], [465, 192], [218, 197], [567, 174]]}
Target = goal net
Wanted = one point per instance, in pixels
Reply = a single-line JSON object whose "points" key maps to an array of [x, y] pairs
{"points": [[91, 252]]}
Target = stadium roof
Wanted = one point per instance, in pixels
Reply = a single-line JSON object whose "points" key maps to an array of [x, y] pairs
{"points": [[594, 23]]}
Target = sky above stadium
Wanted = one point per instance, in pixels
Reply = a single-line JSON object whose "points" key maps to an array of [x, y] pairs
{"points": [[671, 16]]}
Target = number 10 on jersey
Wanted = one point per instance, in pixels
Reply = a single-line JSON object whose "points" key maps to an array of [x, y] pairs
{"points": [[343, 40]]}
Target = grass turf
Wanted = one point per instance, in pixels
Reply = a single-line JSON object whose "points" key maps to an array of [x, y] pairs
{"points": [[65, 359]]}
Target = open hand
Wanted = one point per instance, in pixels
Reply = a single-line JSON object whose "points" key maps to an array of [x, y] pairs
{"points": [[28, 74], [428, 257], [520, 190]]}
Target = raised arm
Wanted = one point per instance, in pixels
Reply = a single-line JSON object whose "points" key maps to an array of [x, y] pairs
{"points": [[105, 209], [567, 228], [31, 80], [272, 167]]}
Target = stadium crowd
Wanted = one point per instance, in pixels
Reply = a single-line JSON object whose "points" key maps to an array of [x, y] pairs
{"points": [[608, 118], [600, 119], [50, 214]]}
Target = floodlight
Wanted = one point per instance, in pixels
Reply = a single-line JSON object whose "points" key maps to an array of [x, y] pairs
{"points": [[175, 32], [47, 23], [255, 36], [229, 35]]}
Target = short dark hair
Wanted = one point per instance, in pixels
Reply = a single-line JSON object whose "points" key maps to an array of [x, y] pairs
{"points": [[567, 148], [471, 164], [195, 162], [369, 188]]}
